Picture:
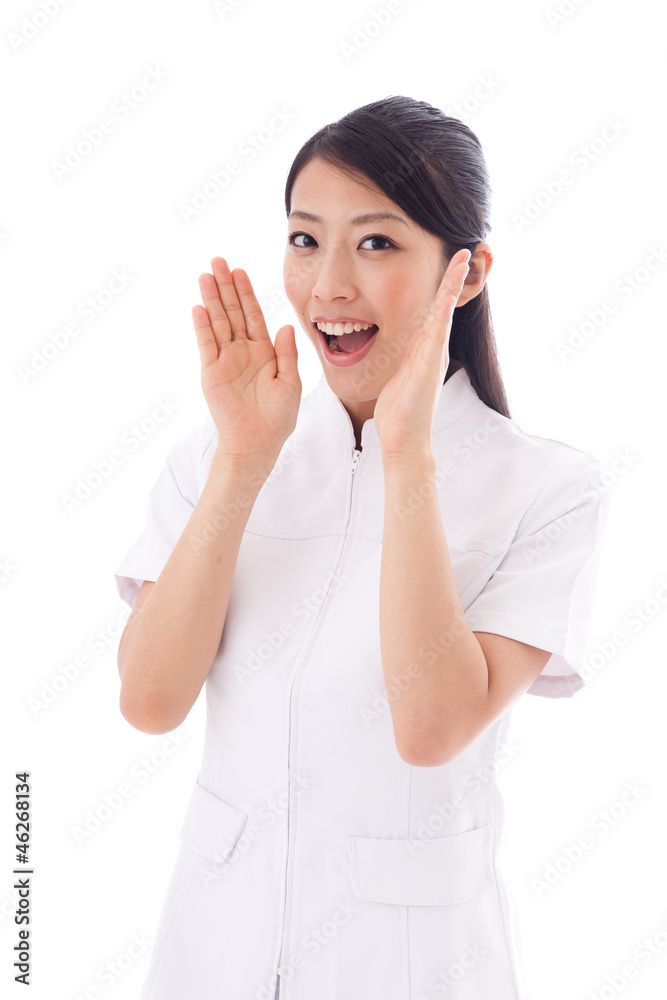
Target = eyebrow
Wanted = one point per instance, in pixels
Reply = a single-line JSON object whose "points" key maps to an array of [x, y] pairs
{"points": [[357, 220]]}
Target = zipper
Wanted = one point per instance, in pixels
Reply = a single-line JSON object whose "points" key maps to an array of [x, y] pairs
{"points": [[355, 461]]}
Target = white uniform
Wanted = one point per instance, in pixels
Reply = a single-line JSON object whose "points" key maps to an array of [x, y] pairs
{"points": [[309, 848]]}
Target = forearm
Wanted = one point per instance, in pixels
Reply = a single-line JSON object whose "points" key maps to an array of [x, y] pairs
{"points": [[430, 656], [170, 645]]}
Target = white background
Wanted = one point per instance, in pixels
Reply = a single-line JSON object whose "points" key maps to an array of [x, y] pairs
{"points": [[551, 84]]}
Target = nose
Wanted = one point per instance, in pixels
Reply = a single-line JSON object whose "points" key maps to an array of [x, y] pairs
{"points": [[332, 277]]}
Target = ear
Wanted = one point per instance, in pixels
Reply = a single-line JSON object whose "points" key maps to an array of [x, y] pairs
{"points": [[480, 264]]}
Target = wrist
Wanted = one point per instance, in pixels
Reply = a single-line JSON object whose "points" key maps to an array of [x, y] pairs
{"points": [[243, 472], [418, 458]]}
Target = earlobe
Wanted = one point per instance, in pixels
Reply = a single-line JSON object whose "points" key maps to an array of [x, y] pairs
{"points": [[472, 285]]}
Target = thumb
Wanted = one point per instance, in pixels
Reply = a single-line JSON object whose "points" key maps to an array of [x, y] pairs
{"points": [[286, 352]]}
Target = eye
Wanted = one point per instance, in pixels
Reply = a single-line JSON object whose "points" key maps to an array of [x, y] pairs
{"points": [[384, 238], [292, 238]]}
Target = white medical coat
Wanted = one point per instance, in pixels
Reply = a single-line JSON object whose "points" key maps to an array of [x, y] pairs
{"points": [[309, 848]]}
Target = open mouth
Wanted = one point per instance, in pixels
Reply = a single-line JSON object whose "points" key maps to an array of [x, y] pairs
{"points": [[347, 345]]}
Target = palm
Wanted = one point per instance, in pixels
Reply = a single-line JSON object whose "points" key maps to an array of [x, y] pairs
{"points": [[406, 405], [402, 398], [252, 389]]}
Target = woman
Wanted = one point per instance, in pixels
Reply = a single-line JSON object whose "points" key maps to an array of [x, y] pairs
{"points": [[366, 578]]}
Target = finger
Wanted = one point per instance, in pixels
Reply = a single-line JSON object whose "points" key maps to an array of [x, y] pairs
{"points": [[228, 297], [208, 347], [216, 313], [452, 279], [439, 320], [432, 353], [451, 284], [460, 257], [432, 342], [254, 317]]}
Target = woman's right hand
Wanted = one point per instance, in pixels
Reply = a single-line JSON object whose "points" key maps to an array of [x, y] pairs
{"points": [[252, 391]]}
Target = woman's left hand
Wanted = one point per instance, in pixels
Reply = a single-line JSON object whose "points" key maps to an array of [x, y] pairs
{"points": [[406, 406]]}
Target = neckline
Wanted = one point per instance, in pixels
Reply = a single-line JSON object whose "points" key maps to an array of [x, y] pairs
{"points": [[457, 396]]}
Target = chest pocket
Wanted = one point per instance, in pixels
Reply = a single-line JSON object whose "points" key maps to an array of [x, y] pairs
{"points": [[437, 872]]}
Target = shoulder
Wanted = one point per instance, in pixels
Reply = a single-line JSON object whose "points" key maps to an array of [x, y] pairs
{"points": [[542, 471]]}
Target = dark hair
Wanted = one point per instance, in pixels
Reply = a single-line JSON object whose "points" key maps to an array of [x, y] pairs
{"points": [[432, 166]]}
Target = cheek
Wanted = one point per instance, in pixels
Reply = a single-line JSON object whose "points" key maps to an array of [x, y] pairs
{"points": [[402, 309], [294, 284], [410, 306], [288, 279]]}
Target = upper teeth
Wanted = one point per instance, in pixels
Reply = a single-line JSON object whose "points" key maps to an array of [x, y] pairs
{"points": [[338, 329]]}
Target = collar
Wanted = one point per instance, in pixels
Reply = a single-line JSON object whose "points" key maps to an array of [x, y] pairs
{"points": [[457, 396]]}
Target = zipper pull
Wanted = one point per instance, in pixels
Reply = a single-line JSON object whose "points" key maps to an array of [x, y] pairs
{"points": [[355, 459]]}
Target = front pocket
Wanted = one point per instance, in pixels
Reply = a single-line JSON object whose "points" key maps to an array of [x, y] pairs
{"points": [[436, 872], [211, 826]]}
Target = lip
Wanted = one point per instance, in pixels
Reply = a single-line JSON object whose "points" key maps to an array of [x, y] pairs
{"points": [[341, 319], [339, 359]]}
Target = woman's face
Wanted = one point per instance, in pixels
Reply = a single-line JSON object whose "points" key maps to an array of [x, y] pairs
{"points": [[384, 271]]}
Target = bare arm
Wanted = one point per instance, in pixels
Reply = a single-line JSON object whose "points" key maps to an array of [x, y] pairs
{"points": [[252, 391], [171, 639], [453, 682]]}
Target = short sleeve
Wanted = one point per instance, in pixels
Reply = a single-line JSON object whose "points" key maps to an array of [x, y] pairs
{"points": [[543, 589], [170, 503]]}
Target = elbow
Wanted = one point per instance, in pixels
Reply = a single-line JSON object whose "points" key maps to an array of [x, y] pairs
{"points": [[434, 749], [441, 737], [426, 756], [146, 716]]}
